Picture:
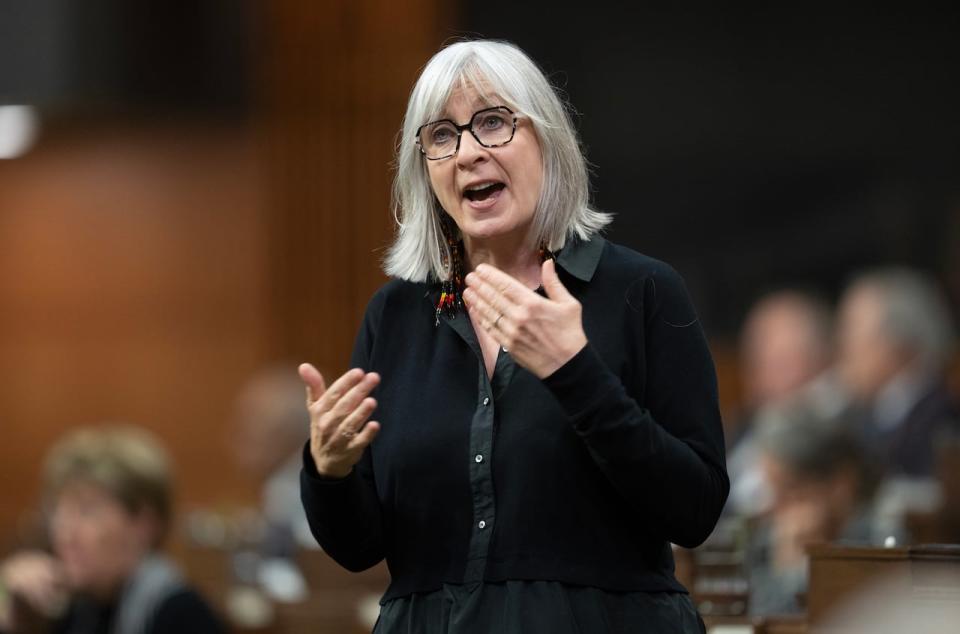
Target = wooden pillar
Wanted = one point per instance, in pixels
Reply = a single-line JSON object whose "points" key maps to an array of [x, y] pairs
{"points": [[336, 81]]}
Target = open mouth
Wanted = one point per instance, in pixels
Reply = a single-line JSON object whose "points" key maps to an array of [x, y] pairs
{"points": [[483, 192]]}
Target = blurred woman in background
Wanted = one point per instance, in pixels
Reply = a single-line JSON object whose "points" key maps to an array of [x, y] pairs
{"points": [[109, 496]]}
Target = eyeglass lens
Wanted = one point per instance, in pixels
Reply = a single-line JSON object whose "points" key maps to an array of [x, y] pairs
{"points": [[491, 127]]}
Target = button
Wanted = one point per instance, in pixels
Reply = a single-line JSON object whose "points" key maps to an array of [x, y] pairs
{"points": [[504, 348], [486, 400], [482, 525], [478, 458]]}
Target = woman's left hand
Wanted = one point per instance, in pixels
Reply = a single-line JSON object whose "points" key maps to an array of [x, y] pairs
{"points": [[541, 334]]}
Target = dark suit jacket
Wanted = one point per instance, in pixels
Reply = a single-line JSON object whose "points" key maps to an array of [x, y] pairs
{"points": [[909, 448]]}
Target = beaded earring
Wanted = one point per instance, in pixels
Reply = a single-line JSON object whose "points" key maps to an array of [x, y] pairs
{"points": [[544, 253], [451, 289]]}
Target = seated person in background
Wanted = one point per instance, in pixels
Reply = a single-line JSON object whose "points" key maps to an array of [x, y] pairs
{"points": [[895, 341], [822, 491], [109, 496], [785, 354], [270, 426]]}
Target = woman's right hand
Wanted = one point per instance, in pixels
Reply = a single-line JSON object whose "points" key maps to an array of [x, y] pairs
{"points": [[339, 429], [38, 579]]}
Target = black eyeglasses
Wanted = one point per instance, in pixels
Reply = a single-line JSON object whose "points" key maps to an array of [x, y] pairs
{"points": [[491, 127]]}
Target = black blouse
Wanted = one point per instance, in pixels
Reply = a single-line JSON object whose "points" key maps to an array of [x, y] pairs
{"points": [[583, 478]]}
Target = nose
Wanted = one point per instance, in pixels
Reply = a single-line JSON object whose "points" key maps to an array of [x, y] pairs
{"points": [[470, 152]]}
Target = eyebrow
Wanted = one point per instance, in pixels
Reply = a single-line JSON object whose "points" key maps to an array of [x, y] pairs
{"points": [[480, 103]]}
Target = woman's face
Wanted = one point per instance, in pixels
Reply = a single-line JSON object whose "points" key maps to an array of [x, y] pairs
{"points": [[98, 540], [516, 169]]}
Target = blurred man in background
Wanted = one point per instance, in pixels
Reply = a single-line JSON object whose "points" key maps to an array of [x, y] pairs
{"points": [[786, 352], [895, 342], [271, 429], [786, 343]]}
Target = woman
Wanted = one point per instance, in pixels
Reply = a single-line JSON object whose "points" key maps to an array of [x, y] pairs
{"points": [[109, 491], [548, 423]]}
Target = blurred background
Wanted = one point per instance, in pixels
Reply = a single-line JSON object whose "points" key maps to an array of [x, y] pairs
{"points": [[193, 191]]}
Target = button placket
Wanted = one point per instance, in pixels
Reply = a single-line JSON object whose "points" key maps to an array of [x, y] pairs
{"points": [[481, 479], [482, 431]]}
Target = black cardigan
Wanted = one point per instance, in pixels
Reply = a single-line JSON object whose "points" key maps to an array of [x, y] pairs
{"points": [[583, 478]]}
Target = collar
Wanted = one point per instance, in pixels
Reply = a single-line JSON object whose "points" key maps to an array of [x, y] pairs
{"points": [[577, 257], [580, 257]]}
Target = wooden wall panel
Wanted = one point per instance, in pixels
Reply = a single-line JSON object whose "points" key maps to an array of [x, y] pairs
{"points": [[336, 88], [146, 269], [132, 288]]}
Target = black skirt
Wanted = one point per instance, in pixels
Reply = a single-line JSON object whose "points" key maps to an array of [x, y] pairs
{"points": [[537, 607]]}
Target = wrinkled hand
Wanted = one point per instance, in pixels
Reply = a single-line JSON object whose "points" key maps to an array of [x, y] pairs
{"points": [[541, 334], [339, 429], [37, 578]]}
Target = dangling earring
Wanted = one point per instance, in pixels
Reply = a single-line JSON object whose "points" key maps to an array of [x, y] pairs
{"points": [[451, 289], [544, 253]]}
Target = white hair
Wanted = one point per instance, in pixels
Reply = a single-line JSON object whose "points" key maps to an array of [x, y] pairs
{"points": [[915, 313], [502, 71]]}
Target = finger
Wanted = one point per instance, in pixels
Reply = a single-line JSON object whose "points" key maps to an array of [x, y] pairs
{"points": [[504, 284], [480, 305], [480, 308], [365, 436], [355, 395], [487, 318], [313, 380], [340, 387], [353, 423], [552, 284], [498, 302]]}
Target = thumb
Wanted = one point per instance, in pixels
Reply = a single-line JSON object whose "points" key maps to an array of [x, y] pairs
{"points": [[552, 284], [312, 378]]}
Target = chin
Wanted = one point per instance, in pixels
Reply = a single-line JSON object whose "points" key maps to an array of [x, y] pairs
{"points": [[487, 228], [482, 233]]}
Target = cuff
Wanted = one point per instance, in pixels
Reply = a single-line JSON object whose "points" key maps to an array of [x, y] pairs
{"points": [[313, 476], [582, 384]]}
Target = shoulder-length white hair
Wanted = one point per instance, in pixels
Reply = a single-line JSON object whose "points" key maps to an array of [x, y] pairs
{"points": [[497, 71]]}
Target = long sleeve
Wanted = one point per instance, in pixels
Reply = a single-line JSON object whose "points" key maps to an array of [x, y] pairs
{"points": [[344, 514], [666, 456]]}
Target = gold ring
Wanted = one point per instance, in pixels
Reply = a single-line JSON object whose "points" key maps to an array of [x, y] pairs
{"points": [[497, 320]]}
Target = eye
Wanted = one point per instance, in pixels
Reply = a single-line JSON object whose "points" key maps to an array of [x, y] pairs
{"points": [[441, 134], [493, 121]]}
